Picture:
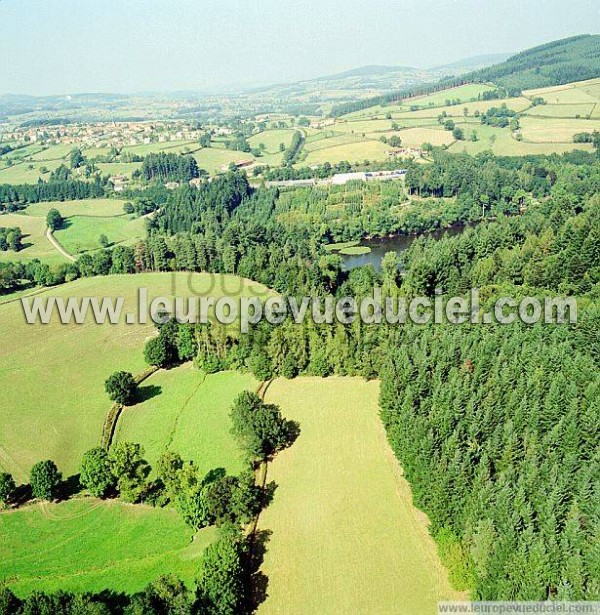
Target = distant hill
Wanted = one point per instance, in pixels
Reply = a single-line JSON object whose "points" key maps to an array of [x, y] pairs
{"points": [[564, 61], [570, 59], [474, 63]]}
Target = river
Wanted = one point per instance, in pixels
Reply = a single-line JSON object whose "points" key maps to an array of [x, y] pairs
{"points": [[398, 243]]}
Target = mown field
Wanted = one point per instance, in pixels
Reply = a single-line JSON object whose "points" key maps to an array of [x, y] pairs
{"points": [[188, 414], [52, 376], [87, 545], [346, 538]]}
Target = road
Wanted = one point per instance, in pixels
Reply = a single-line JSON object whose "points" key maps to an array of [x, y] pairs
{"points": [[50, 237]]}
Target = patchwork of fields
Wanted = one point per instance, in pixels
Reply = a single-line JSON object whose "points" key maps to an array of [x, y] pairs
{"points": [[52, 376], [545, 128], [85, 221]]}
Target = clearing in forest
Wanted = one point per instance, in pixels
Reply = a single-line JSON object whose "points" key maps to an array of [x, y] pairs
{"points": [[345, 535]]}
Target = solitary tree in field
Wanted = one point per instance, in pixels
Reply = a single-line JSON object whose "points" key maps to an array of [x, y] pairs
{"points": [[54, 220], [7, 488], [103, 241], [121, 387], [458, 133], [44, 480], [96, 472]]}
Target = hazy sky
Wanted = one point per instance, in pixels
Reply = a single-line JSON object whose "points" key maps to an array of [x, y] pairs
{"points": [[68, 46]]}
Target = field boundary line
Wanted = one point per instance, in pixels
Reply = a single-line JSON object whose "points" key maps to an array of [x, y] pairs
{"points": [[260, 474], [109, 427], [183, 407]]}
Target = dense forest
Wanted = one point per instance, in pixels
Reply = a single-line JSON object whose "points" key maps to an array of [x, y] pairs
{"points": [[571, 59], [169, 167]]}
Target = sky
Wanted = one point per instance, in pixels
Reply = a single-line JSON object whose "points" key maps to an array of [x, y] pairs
{"points": [[72, 46]]}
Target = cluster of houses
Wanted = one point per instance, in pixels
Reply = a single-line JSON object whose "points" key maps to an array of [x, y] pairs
{"points": [[105, 134]]}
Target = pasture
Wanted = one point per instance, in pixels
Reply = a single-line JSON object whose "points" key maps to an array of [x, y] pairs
{"points": [[356, 151], [556, 130], [271, 139], [52, 376], [35, 243], [27, 172], [190, 416], [463, 93], [84, 207], [578, 92], [171, 147], [81, 233], [211, 158], [346, 538], [91, 546]]}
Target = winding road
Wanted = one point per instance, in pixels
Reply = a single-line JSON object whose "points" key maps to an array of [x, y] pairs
{"points": [[50, 237]]}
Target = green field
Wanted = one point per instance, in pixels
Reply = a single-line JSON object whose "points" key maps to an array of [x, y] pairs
{"points": [[464, 93], [346, 538], [35, 242], [211, 158], [357, 151], [271, 139], [27, 172], [173, 147], [517, 104], [84, 207], [579, 92], [562, 111], [52, 376], [86, 220], [54, 152], [190, 417], [555, 130], [86, 545], [81, 233]]}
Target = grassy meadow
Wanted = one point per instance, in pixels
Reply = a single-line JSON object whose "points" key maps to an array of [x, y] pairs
{"points": [[189, 416], [84, 207], [346, 538], [91, 545], [35, 243], [52, 376], [211, 158], [82, 233]]}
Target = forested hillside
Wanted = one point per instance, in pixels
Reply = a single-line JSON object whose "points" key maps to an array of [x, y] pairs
{"points": [[571, 59], [555, 63]]}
